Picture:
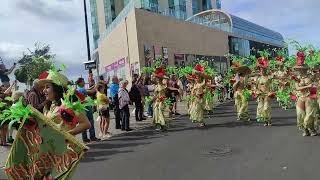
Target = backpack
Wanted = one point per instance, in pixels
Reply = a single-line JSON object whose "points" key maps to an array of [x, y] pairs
{"points": [[134, 93]]}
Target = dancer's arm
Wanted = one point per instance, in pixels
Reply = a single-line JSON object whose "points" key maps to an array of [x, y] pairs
{"points": [[10, 70], [83, 125], [9, 90], [299, 88]]}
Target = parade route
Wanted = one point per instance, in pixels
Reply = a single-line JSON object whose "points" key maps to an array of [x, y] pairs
{"points": [[224, 150]]}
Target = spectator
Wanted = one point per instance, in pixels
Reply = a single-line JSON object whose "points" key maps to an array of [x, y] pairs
{"points": [[172, 93], [124, 101], [91, 79], [35, 96], [103, 109], [135, 96], [114, 88], [80, 87], [4, 74], [101, 78]]}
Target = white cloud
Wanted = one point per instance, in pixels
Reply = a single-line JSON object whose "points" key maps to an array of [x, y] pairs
{"points": [[10, 50]]}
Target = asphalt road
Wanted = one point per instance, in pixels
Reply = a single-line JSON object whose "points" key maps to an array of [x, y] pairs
{"points": [[224, 150]]}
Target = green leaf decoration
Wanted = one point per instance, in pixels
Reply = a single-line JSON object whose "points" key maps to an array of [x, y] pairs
{"points": [[210, 71], [172, 70], [147, 70], [265, 54], [167, 102], [158, 62], [2, 104], [17, 113], [291, 61], [284, 99], [208, 96], [247, 94], [77, 106], [313, 58], [190, 98], [272, 64], [63, 67], [183, 72], [8, 98], [149, 100]]}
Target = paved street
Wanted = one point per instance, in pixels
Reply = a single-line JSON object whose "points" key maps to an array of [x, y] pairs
{"points": [[224, 150]]}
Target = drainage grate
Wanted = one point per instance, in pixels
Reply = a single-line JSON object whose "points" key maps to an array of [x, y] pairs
{"points": [[218, 151]]}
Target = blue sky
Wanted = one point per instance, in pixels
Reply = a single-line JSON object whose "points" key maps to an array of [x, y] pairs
{"points": [[60, 23]]}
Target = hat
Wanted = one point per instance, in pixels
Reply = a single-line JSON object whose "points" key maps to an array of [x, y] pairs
{"points": [[53, 77], [300, 61], [263, 62], [160, 72], [280, 60], [79, 80], [242, 70]]}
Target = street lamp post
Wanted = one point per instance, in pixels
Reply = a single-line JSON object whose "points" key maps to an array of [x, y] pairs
{"points": [[87, 31]]}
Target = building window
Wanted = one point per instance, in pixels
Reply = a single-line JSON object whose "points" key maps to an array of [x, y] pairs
{"points": [[94, 22], [195, 6], [218, 4], [239, 46], [109, 11], [206, 4]]}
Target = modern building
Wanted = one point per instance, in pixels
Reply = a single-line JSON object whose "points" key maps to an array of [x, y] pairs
{"points": [[130, 34]]}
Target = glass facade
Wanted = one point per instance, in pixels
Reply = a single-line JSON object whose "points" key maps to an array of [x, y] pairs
{"points": [[239, 46], [109, 11], [178, 8], [218, 4], [243, 47], [196, 7], [151, 5], [206, 4], [248, 29], [94, 22]]}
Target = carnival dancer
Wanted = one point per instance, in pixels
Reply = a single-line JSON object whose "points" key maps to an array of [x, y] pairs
{"points": [[208, 97], [190, 92], [264, 93], [159, 120], [55, 87], [281, 75], [242, 95], [307, 97], [196, 112]]}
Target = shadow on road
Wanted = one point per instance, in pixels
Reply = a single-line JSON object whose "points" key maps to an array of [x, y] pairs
{"points": [[94, 156]]}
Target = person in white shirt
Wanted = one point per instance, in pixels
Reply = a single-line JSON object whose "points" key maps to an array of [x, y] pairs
{"points": [[124, 101]]}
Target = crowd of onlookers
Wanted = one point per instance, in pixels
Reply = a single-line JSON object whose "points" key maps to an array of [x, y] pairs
{"points": [[111, 95]]}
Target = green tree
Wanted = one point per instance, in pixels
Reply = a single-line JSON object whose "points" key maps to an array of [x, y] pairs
{"points": [[35, 62]]}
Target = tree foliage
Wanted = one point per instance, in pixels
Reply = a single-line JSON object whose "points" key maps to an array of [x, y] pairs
{"points": [[35, 62]]}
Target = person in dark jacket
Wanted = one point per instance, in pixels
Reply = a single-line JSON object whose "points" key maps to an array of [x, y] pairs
{"points": [[135, 96]]}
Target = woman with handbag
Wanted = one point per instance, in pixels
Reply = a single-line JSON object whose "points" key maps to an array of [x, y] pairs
{"points": [[103, 109]]}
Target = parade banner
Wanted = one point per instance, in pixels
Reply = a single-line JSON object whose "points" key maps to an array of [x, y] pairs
{"points": [[42, 150]]}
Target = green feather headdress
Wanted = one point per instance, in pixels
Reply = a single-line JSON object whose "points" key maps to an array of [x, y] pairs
{"points": [[15, 114], [79, 105]]}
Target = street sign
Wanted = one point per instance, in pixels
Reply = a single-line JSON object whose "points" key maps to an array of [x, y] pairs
{"points": [[90, 65]]}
